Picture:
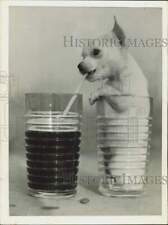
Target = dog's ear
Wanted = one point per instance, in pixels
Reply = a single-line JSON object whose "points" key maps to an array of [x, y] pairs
{"points": [[118, 31]]}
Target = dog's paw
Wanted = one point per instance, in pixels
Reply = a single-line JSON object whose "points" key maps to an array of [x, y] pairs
{"points": [[96, 95], [93, 98]]}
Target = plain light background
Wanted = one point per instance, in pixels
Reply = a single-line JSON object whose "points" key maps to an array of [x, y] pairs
{"points": [[39, 62]]}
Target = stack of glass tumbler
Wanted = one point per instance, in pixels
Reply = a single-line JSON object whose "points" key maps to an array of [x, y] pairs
{"points": [[123, 142], [52, 144]]}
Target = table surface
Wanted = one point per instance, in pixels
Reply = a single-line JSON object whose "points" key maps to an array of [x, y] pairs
{"points": [[21, 204]]}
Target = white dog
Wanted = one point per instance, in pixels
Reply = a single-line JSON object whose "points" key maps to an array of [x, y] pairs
{"points": [[119, 69]]}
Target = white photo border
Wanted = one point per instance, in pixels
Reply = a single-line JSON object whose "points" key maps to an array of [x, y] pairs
{"points": [[5, 218]]}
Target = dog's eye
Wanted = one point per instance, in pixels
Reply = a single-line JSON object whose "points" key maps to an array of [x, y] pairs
{"points": [[96, 51]]}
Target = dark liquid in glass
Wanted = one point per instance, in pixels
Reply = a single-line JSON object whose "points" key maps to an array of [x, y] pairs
{"points": [[52, 160]]}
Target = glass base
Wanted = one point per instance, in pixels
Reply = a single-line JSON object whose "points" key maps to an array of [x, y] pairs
{"points": [[119, 192], [43, 194]]}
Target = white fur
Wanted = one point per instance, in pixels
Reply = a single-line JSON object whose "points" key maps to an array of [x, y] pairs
{"points": [[121, 73]]}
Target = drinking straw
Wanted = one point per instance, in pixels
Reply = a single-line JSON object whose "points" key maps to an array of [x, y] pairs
{"points": [[73, 98]]}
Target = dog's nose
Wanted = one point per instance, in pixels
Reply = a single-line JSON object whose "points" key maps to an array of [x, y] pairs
{"points": [[81, 68]]}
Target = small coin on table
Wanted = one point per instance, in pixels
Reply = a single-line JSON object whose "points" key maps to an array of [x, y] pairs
{"points": [[84, 200]]}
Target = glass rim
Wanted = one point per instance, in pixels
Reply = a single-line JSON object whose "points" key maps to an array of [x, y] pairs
{"points": [[49, 114], [130, 95], [51, 93]]}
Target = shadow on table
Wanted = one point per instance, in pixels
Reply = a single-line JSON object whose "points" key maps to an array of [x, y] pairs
{"points": [[89, 181]]}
